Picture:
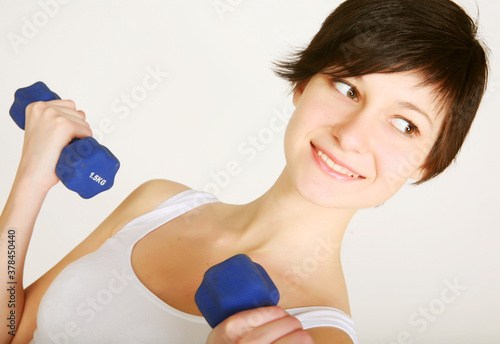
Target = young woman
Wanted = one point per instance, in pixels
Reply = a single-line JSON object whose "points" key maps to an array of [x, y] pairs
{"points": [[386, 91]]}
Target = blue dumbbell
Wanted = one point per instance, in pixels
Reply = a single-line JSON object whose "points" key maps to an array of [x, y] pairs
{"points": [[84, 166], [235, 285]]}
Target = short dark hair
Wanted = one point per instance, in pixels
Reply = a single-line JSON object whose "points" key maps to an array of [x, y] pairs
{"points": [[433, 37]]}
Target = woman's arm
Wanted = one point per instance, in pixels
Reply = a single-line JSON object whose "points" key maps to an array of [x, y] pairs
{"points": [[142, 200], [16, 225], [49, 127]]}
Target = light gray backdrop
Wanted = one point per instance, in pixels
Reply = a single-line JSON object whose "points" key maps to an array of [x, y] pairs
{"points": [[424, 268]]}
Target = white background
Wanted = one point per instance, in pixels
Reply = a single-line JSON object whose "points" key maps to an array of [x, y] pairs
{"points": [[220, 90]]}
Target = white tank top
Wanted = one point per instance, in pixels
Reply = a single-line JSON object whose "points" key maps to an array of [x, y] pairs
{"points": [[99, 299]]}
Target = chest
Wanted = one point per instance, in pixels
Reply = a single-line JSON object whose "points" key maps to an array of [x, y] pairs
{"points": [[171, 265], [171, 260]]}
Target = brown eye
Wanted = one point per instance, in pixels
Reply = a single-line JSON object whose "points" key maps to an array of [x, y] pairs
{"points": [[409, 129], [405, 126], [351, 93], [346, 89]]}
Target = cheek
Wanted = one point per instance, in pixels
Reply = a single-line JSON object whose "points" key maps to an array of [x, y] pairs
{"points": [[297, 131], [397, 165], [291, 136]]}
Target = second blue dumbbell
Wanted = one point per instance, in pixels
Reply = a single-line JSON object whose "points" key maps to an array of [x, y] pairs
{"points": [[235, 285], [84, 166]]}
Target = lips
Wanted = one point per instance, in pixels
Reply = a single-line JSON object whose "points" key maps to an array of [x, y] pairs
{"points": [[333, 166]]}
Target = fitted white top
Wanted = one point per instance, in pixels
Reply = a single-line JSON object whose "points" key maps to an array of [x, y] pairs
{"points": [[99, 299]]}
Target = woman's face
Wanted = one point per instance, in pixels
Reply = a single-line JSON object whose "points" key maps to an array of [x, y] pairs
{"points": [[353, 142]]}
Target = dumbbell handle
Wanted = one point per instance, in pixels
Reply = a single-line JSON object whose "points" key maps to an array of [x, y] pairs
{"points": [[84, 166]]}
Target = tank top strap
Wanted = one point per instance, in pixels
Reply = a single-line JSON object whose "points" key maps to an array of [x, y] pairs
{"points": [[312, 317], [173, 207]]}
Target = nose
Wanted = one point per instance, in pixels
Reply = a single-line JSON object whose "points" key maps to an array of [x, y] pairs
{"points": [[354, 132]]}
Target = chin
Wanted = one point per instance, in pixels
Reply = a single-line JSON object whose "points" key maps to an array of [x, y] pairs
{"points": [[345, 195]]}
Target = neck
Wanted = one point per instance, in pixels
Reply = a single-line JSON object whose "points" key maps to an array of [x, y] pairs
{"points": [[283, 221]]}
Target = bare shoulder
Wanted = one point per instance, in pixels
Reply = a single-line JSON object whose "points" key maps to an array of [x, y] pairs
{"points": [[305, 290], [142, 200], [325, 335], [155, 191], [321, 288], [161, 188]]}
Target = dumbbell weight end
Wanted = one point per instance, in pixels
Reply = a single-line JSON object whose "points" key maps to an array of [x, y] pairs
{"points": [[27, 95], [87, 167], [235, 285]]}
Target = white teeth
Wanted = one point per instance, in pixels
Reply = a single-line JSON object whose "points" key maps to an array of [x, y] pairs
{"points": [[339, 169], [334, 166]]}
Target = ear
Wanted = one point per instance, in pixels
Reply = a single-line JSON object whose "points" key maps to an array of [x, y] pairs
{"points": [[298, 90]]}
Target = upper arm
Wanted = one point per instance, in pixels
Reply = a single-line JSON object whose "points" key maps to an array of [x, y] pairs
{"points": [[327, 335], [142, 200]]}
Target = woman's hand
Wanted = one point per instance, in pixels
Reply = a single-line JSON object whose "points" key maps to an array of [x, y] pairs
{"points": [[264, 325], [50, 126]]}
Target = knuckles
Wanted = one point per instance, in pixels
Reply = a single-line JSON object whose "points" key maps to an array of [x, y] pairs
{"points": [[36, 109], [47, 113], [69, 103], [41, 107]]}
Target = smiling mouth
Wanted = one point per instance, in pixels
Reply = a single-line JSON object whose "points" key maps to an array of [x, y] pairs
{"points": [[336, 167]]}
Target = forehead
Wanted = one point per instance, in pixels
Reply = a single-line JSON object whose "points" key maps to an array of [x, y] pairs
{"points": [[405, 82]]}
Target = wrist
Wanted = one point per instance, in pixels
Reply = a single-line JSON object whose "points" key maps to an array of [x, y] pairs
{"points": [[27, 190], [21, 210], [30, 180]]}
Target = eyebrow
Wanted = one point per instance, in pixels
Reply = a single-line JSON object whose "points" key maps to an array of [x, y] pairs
{"points": [[411, 106]]}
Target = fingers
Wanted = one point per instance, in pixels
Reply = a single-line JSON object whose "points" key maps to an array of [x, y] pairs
{"points": [[243, 322], [59, 115], [66, 106], [272, 331], [63, 102], [77, 117], [260, 325]]}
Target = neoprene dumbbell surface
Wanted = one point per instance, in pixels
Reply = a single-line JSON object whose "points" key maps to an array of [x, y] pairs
{"points": [[84, 166], [235, 285]]}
